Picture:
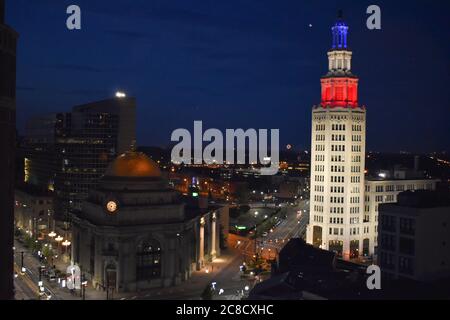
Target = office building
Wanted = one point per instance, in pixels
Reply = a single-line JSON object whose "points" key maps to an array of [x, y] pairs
{"points": [[69, 152], [338, 155], [343, 201], [414, 236], [8, 44]]}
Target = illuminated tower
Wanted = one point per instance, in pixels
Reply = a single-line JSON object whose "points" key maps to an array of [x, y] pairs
{"points": [[8, 40], [337, 156]]}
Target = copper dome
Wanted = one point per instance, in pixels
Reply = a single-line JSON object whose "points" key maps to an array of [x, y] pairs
{"points": [[133, 164]]}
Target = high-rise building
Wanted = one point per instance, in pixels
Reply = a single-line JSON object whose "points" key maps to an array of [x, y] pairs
{"points": [[343, 202], [338, 155], [8, 43], [69, 152]]}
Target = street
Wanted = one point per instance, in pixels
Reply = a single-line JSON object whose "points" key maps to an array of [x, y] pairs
{"points": [[224, 271], [293, 226]]}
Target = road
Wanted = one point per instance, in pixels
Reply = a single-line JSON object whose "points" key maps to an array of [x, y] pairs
{"points": [[293, 226], [224, 271], [27, 282]]}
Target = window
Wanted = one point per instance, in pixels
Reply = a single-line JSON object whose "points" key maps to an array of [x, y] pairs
{"points": [[148, 260], [388, 223], [405, 265], [407, 226], [406, 246]]}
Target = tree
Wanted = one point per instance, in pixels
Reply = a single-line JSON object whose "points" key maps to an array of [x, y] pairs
{"points": [[47, 252]]}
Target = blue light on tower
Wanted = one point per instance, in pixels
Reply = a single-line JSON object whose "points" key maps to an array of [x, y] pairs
{"points": [[339, 31]]}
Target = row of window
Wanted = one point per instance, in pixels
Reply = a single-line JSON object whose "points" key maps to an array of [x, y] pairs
{"points": [[354, 210], [319, 188], [320, 127], [318, 198], [318, 219], [336, 189], [320, 137], [356, 179], [338, 127], [337, 137], [337, 168], [319, 178], [320, 157], [318, 208], [320, 168], [354, 220], [334, 220], [336, 199]]}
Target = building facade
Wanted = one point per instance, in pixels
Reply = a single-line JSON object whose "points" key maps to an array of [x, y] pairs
{"points": [[414, 236], [378, 191], [33, 211], [8, 44], [343, 202], [338, 155], [134, 231], [69, 152]]}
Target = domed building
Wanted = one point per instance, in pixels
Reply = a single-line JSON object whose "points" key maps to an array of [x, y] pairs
{"points": [[134, 232]]}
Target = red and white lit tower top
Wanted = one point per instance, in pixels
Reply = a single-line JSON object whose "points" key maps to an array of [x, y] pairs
{"points": [[339, 85]]}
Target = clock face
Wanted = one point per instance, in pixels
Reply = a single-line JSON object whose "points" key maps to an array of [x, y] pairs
{"points": [[111, 206]]}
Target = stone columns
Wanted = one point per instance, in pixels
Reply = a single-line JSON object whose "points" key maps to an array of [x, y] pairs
{"points": [[201, 258], [213, 242]]}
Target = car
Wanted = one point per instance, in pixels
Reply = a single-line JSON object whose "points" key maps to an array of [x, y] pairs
{"points": [[52, 275], [265, 234]]}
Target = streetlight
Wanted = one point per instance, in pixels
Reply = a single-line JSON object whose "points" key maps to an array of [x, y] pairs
{"points": [[52, 234], [58, 239], [66, 243], [22, 266]]}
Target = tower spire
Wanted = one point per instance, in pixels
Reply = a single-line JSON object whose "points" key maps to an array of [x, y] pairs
{"points": [[339, 32]]}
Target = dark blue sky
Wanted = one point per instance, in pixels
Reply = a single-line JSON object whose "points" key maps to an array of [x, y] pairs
{"points": [[238, 63]]}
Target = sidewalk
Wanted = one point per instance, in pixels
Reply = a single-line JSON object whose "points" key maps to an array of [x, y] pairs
{"points": [[224, 270]]}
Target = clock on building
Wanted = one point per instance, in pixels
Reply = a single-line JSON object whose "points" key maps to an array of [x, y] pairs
{"points": [[111, 206]]}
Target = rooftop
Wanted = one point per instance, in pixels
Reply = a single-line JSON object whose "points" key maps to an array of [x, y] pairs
{"points": [[133, 164], [424, 199]]}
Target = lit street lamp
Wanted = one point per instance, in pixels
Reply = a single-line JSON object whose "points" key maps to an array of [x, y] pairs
{"points": [[58, 239], [66, 243]]}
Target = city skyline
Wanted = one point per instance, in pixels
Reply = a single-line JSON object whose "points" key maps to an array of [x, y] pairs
{"points": [[279, 47], [91, 209]]}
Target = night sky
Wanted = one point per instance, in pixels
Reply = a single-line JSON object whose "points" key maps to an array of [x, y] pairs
{"points": [[238, 64]]}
